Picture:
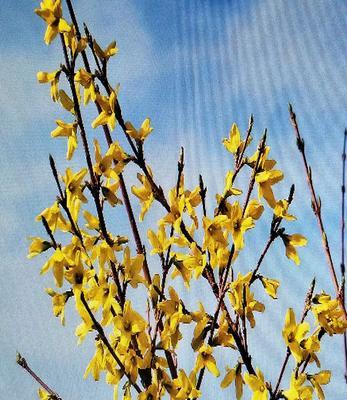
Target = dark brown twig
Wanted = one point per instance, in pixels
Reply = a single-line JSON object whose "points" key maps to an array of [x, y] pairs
{"points": [[21, 361]]}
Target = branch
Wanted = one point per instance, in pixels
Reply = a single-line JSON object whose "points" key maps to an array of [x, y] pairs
{"points": [[316, 205], [21, 361]]}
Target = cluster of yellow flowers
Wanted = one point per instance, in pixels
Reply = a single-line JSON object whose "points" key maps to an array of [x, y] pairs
{"points": [[95, 267]]}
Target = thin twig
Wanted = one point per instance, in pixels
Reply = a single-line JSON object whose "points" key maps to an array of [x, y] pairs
{"points": [[316, 204], [21, 361]]}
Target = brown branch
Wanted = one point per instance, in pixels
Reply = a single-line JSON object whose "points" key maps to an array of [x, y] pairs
{"points": [[316, 204], [21, 361]]}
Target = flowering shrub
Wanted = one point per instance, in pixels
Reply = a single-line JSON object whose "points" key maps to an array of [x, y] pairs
{"points": [[102, 271]]}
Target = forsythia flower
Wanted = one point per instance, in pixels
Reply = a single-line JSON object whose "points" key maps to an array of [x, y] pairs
{"points": [[257, 384], [86, 80], [144, 193], [129, 323], [58, 302], [53, 78], [73, 185], [297, 390], [51, 13], [254, 209], [270, 286], [206, 359], [58, 261], [110, 50], [292, 241], [214, 236], [53, 217], [38, 246], [329, 314], [294, 334], [237, 224], [142, 133], [160, 242], [322, 378], [185, 387], [266, 176], [66, 101], [234, 143], [242, 299], [231, 375], [67, 130], [281, 210], [107, 115]]}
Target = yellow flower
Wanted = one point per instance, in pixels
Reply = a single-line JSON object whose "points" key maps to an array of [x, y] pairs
{"points": [[132, 268], [206, 359], [110, 50], [71, 41], [195, 261], [102, 164], [231, 375], [229, 190], [109, 191], [57, 262], [185, 387], [234, 143], [142, 133], [175, 314], [257, 384], [58, 302], [297, 390], [73, 185], [54, 218], [254, 209], [237, 224], [97, 363], [292, 241], [51, 13], [281, 210], [213, 229], [43, 395], [67, 130], [191, 200], [242, 299], [294, 334], [181, 268], [144, 193], [177, 204], [53, 78], [322, 378], [266, 176], [107, 115], [92, 221], [329, 314], [38, 246], [160, 242], [265, 180], [129, 323], [86, 80], [66, 101], [270, 286]]}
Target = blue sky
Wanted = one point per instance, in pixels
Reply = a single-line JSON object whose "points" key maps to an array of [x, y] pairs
{"points": [[194, 67]]}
